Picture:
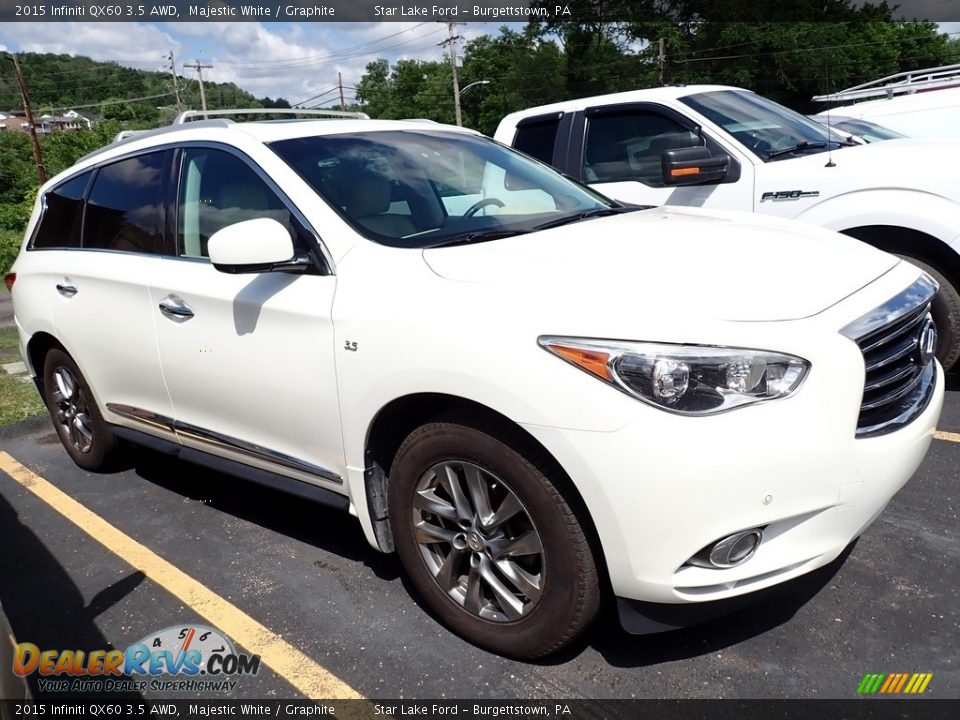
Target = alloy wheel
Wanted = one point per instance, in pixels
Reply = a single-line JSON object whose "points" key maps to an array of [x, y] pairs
{"points": [[478, 541], [72, 410]]}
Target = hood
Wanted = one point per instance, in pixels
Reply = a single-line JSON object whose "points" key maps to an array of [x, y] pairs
{"points": [[728, 266], [924, 164]]}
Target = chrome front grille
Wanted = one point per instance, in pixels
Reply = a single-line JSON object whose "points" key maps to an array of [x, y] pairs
{"points": [[897, 340]]}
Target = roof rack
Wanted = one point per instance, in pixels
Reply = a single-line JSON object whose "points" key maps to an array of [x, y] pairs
{"points": [[900, 84], [186, 115]]}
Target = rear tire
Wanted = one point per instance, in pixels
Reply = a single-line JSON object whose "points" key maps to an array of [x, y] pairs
{"points": [[946, 314], [85, 435], [489, 541]]}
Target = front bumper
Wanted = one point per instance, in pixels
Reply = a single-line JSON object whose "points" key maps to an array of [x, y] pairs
{"points": [[665, 486]]}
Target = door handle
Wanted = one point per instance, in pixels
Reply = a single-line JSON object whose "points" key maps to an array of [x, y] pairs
{"points": [[175, 308], [66, 289]]}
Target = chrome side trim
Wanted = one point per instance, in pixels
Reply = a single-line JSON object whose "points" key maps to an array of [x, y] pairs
{"points": [[259, 452], [224, 442], [920, 293], [140, 415]]}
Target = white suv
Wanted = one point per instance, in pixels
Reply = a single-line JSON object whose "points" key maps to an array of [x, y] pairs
{"points": [[535, 395]]}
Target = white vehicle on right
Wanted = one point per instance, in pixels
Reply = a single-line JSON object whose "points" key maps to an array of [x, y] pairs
{"points": [[920, 103], [727, 148]]}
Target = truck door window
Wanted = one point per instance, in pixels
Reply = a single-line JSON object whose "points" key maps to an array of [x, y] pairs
{"points": [[536, 137], [628, 146]]}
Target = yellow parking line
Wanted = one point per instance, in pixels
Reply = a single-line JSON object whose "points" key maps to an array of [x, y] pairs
{"points": [[287, 661], [948, 436]]}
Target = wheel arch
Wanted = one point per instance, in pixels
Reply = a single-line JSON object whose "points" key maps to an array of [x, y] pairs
{"points": [[39, 344], [401, 416]]}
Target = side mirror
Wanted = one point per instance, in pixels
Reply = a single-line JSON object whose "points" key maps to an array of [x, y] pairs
{"points": [[254, 246], [693, 166]]}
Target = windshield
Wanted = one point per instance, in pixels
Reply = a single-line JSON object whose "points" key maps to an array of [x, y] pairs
{"points": [[770, 131], [871, 132], [419, 188]]}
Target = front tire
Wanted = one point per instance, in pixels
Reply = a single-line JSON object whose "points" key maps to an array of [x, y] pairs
{"points": [[85, 435], [489, 541], [946, 314]]}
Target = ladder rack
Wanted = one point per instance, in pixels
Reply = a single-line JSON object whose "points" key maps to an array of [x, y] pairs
{"points": [[900, 84]]}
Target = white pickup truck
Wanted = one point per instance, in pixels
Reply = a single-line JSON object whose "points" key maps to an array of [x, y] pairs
{"points": [[728, 148]]}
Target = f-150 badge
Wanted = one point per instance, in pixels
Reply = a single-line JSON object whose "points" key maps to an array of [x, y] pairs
{"points": [[777, 195]]}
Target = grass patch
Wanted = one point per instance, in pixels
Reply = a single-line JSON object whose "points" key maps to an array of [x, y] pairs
{"points": [[19, 400]]}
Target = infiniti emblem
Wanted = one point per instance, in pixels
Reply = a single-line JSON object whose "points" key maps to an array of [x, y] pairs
{"points": [[927, 346]]}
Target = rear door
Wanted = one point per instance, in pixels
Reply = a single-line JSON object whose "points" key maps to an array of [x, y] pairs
{"points": [[99, 283], [248, 358]]}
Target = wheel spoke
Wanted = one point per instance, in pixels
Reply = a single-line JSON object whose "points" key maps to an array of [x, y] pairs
{"points": [[460, 500], [510, 604], [479, 493], [65, 383], [80, 424], [471, 599], [448, 575], [508, 508], [527, 544], [427, 501], [524, 582], [427, 533]]}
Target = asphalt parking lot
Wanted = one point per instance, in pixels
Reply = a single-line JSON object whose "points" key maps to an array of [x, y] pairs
{"points": [[336, 617]]}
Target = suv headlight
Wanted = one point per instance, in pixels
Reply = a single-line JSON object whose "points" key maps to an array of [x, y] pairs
{"points": [[685, 379]]}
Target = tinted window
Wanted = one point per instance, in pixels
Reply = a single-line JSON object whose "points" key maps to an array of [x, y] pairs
{"points": [[629, 145], [61, 221], [218, 189], [537, 138], [123, 210]]}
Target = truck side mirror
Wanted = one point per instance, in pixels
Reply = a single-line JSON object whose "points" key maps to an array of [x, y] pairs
{"points": [[693, 166]]}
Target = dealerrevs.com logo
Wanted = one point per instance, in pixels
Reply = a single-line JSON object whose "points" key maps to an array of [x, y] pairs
{"points": [[177, 659]]}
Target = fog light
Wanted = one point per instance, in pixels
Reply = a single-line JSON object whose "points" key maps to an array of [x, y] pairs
{"points": [[730, 551]]}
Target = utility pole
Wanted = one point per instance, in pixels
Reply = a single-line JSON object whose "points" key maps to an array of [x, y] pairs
{"points": [[452, 42], [37, 158], [176, 82], [343, 105], [203, 95], [661, 61]]}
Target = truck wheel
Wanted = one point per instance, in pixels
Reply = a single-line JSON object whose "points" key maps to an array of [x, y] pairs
{"points": [[85, 435], [489, 542], [946, 314]]}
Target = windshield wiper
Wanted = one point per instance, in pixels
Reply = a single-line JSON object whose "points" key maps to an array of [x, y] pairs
{"points": [[586, 215], [479, 236], [800, 146]]}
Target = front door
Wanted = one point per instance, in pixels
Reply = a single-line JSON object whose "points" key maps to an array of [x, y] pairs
{"points": [[623, 146], [248, 358]]}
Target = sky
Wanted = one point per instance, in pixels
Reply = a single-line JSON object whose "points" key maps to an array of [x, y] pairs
{"points": [[297, 61]]}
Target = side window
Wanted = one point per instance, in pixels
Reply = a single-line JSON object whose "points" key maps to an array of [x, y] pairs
{"points": [[60, 225], [123, 209], [628, 146], [536, 138], [218, 189]]}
